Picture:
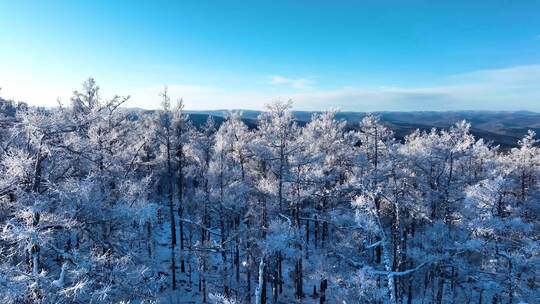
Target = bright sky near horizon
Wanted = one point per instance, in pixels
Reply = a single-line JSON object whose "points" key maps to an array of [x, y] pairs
{"points": [[354, 55]]}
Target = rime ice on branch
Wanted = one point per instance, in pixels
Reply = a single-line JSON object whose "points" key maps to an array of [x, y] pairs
{"points": [[99, 203]]}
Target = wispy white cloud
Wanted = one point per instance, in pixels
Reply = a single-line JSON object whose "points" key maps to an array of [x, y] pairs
{"points": [[524, 74], [296, 83], [512, 88]]}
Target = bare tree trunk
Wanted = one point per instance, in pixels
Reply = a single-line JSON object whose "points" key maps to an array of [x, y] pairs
{"points": [[190, 250], [149, 241], [237, 250], [280, 269], [324, 233], [280, 182], [316, 232], [171, 212], [264, 217], [275, 278], [37, 170], [180, 157], [323, 286], [440, 290], [222, 225], [204, 288], [307, 239], [260, 294], [510, 284], [34, 248], [248, 279], [298, 284]]}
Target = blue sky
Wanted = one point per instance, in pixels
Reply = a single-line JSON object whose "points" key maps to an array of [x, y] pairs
{"points": [[353, 55]]}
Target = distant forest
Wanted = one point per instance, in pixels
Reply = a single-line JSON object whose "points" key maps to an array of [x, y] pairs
{"points": [[502, 128]]}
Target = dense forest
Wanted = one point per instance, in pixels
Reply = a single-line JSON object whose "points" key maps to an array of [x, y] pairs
{"points": [[99, 204]]}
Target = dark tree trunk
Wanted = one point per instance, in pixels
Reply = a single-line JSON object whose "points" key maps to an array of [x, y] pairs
{"points": [[171, 213], [322, 289], [440, 290]]}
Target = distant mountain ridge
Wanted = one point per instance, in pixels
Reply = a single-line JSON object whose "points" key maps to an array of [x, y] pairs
{"points": [[500, 127], [503, 128]]}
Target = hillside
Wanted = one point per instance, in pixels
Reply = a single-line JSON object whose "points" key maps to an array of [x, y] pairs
{"points": [[501, 128]]}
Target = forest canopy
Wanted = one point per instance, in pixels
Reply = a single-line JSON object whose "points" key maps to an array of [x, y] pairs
{"points": [[103, 205]]}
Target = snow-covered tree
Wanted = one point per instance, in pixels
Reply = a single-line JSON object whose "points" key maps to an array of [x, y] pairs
{"points": [[103, 204]]}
